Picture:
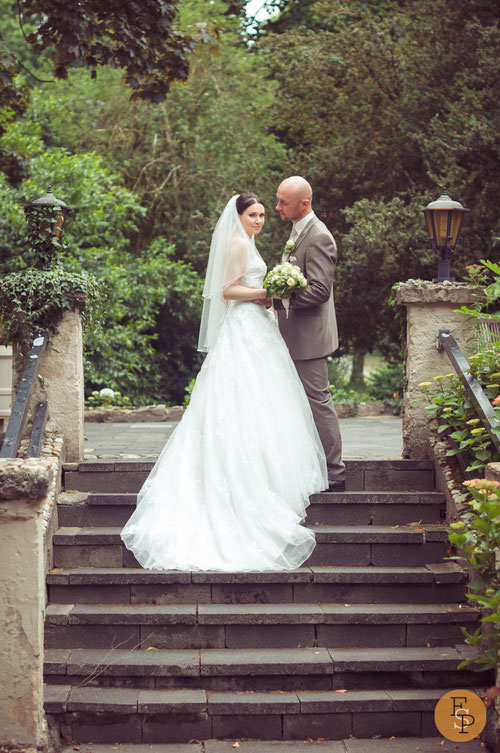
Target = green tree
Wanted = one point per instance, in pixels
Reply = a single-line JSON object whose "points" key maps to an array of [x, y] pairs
{"points": [[386, 101], [186, 156], [168, 170], [139, 37], [143, 293]]}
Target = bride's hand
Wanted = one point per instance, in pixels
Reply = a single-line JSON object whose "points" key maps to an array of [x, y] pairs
{"points": [[260, 301]]}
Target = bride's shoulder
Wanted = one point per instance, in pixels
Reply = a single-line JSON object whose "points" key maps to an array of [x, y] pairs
{"points": [[238, 244]]}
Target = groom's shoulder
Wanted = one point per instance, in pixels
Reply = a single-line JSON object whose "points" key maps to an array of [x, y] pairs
{"points": [[319, 229]]}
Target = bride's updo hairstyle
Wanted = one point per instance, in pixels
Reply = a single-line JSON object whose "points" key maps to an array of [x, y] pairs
{"points": [[246, 200]]}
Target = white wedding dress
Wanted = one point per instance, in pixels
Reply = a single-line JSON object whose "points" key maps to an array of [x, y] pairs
{"points": [[230, 489]]}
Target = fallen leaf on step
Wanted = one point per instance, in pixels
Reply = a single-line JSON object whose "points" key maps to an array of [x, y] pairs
{"points": [[309, 740], [235, 745], [342, 690], [194, 741], [152, 648], [427, 644]]}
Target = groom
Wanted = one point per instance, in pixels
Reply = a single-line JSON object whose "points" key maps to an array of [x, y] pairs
{"points": [[310, 331]]}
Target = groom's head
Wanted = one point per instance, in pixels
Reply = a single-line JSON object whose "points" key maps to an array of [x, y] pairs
{"points": [[294, 197]]}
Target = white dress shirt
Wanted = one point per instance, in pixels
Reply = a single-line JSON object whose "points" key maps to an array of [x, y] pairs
{"points": [[300, 225]]}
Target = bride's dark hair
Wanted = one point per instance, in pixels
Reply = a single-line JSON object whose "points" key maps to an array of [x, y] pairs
{"points": [[246, 200]]}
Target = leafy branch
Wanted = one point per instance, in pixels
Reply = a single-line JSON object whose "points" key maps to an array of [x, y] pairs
{"points": [[477, 535]]}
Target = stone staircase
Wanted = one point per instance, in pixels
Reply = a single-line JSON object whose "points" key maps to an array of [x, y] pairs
{"points": [[361, 641]]}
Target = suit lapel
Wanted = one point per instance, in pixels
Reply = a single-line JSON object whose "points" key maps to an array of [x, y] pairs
{"points": [[299, 249]]}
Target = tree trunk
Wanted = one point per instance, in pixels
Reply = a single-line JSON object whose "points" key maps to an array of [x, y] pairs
{"points": [[357, 381]]}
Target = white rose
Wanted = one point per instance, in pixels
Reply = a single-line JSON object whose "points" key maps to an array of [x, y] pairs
{"points": [[290, 281], [107, 392]]}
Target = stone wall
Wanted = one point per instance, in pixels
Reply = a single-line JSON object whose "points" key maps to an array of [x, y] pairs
{"points": [[28, 491], [429, 308]]}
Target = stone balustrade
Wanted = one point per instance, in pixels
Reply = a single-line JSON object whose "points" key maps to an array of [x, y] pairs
{"points": [[61, 383], [28, 489]]}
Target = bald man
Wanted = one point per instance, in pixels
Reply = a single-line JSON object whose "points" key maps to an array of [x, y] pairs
{"points": [[310, 331]]}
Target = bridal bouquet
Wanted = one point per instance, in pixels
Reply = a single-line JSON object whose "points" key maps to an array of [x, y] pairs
{"points": [[283, 280]]}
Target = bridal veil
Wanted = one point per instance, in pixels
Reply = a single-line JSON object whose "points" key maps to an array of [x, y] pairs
{"points": [[227, 262]]}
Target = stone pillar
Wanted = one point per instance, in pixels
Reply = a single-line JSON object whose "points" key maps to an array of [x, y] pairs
{"points": [[5, 384], [62, 385], [429, 308], [24, 488]]}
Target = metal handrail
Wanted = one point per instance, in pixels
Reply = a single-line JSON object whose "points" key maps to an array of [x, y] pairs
{"points": [[484, 409], [19, 414]]}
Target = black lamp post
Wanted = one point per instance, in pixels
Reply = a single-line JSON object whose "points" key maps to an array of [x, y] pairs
{"points": [[53, 225], [444, 220]]}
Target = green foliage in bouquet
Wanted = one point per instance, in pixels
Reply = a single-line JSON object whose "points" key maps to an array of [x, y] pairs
{"points": [[284, 280], [477, 536]]}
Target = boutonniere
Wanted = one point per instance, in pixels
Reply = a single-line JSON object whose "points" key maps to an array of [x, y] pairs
{"points": [[289, 247]]}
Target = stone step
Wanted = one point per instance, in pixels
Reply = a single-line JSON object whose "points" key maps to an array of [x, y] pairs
{"points": [[185, 626], [139, 715], [376, 475], [363, 745], [252, 669], [383, 546], [349, 508], [429, 584]]}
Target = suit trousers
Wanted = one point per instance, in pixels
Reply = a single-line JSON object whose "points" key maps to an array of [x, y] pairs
{"points": [[313, 374]]}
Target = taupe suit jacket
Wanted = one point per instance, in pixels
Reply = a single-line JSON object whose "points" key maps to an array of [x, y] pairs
{"points": [[311, 328]]}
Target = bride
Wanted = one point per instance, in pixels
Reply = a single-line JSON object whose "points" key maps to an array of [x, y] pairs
{"points": [[230, 488]]}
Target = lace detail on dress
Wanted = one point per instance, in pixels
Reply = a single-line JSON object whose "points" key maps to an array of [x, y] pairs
{"points": [[255, 272]]}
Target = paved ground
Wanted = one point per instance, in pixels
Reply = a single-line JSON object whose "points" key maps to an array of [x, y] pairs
{"points": [[386, 745], [377, 437]]}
